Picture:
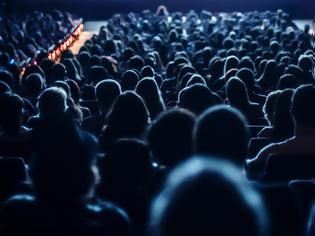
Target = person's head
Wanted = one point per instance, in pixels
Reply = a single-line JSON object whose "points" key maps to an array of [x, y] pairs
{"points": [[269, 78], [222, 131], [7, 77], [58, 72], [128, 117], [195, 98], [52, 102], [232, 62], [74, 90], [147, 71], [11, 110], [33, 85], [236, 93], [247, 76], [106, 91], [268, 108], [136, 62], [129, 80], [170, 136], [151, 95], [282, 120], [96, 74], [306, 63], [63, 168], [288, 81], [303, 106], [207, 196], [4, 88]]}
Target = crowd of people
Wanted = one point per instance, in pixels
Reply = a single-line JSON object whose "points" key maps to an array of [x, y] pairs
{"points": [[23, 38], [163, 124]]}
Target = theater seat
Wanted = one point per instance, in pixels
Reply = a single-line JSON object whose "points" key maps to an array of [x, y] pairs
{"points": [[285, 168], [91, 105], [256, 144], [12, 173], [255, 129]]}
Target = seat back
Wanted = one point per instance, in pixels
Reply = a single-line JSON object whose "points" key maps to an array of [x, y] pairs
{"points": [[256, 144], [12, 172], [290, 167]]}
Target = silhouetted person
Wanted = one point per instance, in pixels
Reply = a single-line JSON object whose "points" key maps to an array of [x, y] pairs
{"points": [[206, 196], [151, 95], [128, 118], [106, 92], [222, 131], [170, 136]]}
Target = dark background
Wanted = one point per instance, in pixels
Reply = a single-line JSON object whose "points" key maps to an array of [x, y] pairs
{"points": [[102, 9]]}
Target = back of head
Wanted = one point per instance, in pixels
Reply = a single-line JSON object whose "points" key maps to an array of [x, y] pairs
{"points": [[136, 62], [106, 92], [170, 136], [222, 131], [236, 92], [96, 74], [11, 107], [151, 95], [283, 122], [129, 80], [58, 72], [232, 62], [4, 88], [62, 167], [196, 98], [33, 84], [206, 196], [128, 117], [288, 81], [52, 102], [303, 106], [268, 108]]}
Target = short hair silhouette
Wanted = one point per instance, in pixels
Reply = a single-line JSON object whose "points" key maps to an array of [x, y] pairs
{"points": [[195, 98], [208, 196], [303, 105], [222, 131], [170, 136], [52, 102], [11, 109]]}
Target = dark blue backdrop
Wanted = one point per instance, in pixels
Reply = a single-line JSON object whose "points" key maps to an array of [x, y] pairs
{"points": [[100, 9]]}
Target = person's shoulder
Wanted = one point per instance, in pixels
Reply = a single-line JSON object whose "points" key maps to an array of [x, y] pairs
{"points": [[265, 132], [112, 217], [18, 207]]}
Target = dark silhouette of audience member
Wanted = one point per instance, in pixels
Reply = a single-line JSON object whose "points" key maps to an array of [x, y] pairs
{"points": [[197, 98], [203, 194], [64, 175], [15, 139], [126, 173], [52, 103], [151, 95], [129, 80], [128, 118], [222, 131], [283, 127], [106, 92], [303, 141], [170, 136], [237, 96]]}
